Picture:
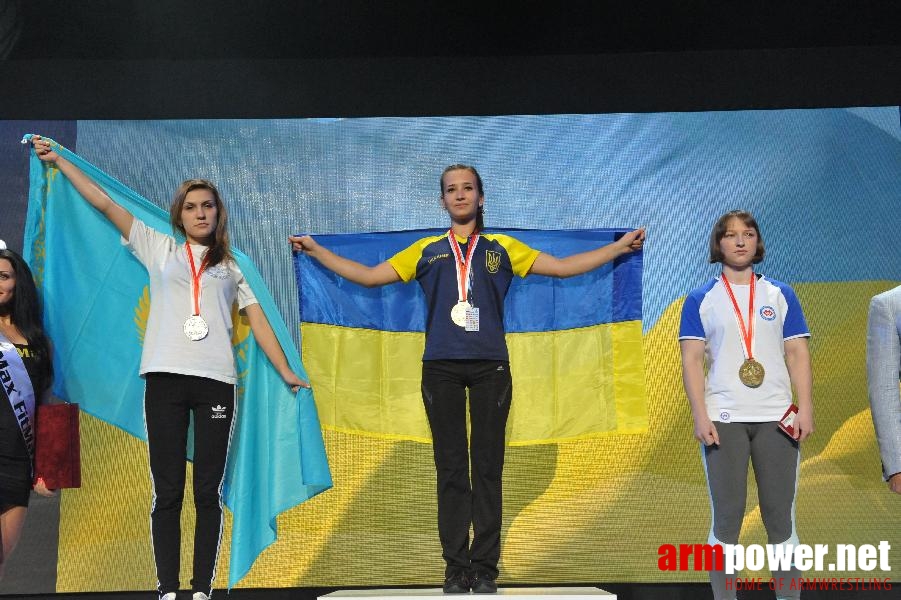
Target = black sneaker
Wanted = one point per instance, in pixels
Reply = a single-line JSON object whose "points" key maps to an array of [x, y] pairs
{"points": [[484, 584], [456, 583]]}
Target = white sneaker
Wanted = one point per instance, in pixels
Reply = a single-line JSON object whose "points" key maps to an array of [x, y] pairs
{"points": [[200, 596], [169, 596]]}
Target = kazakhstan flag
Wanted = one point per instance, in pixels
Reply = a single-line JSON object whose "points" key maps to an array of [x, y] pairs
{"points": [[97, 299], [575, 344]]}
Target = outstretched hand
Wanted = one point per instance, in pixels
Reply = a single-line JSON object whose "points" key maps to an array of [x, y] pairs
{"points": [[43, 149], [303, 243], [633, 241]]}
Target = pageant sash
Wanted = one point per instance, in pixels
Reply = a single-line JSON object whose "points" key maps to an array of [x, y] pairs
{"points": [[16, 385]]}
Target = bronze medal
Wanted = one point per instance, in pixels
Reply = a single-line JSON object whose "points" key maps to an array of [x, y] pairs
{"points": [[751, 373]]}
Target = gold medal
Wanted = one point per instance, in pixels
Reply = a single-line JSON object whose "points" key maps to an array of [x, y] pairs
{"points": [[751, 373]]}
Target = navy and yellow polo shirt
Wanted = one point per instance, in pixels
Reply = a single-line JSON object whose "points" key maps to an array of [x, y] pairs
{"points": [[496, 260]]}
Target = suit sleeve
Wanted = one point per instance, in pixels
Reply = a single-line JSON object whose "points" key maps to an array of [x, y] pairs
{"points": [[883, 364]]}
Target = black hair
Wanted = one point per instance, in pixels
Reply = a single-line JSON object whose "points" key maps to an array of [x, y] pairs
{"points": [[25, 313]]}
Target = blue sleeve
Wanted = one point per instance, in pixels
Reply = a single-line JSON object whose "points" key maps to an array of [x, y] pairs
{"points": [[690, 326], [794, 324]]}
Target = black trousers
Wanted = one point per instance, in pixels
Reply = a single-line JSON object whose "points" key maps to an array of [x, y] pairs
{"points": [[462, 502], [168, 401]]}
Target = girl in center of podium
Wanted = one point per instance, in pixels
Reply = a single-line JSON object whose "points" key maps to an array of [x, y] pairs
{"points": [[465, 349]]}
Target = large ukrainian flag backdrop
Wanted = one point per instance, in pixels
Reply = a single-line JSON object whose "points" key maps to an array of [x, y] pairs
{"points": [[575, 344]]}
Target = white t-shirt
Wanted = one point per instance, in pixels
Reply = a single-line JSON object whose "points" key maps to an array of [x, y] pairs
{"points": [[708, 315], [166, 347]]}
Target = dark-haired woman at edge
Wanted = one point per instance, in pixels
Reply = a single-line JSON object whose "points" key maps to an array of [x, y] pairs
{"points": [[26, 369]]}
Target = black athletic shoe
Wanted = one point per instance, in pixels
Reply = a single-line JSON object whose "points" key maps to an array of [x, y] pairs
{"points": [[484, 584], [456, 583]]}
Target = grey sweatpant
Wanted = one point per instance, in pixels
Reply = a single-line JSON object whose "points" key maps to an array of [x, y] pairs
{"points": [[775, 458]]}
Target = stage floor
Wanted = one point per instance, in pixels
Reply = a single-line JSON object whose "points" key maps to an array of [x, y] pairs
{"points": [[696, 591]]}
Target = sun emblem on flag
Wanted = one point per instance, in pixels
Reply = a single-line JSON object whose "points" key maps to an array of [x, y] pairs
{"points": [[240, 345], [142, 311]]}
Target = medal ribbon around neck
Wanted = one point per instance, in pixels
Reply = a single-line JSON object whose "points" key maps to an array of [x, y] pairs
{"points": [[196, 288], [464, 284], [747, 334]]}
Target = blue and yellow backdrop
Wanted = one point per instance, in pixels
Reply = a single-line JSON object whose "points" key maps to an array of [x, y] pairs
{"points": [[824, 185]]}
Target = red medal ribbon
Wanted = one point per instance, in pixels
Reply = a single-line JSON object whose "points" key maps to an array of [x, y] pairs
{"points": [[195, 277], [746, 334], [463, 266]]}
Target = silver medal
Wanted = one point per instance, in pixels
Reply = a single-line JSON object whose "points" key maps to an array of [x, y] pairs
{"points": [[196, 328], [458, 313]]}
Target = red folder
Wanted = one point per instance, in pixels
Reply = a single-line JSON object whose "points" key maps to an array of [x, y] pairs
{"points": [[57, 457], [787, 423]]}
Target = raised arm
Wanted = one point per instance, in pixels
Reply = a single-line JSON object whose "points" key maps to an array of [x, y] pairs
{"points": [[583, 262], [89, 190], [797, 359], [381, 274], [693, 380]]}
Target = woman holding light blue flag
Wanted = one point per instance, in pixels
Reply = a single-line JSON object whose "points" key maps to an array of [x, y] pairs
{"points": [[187, 359]]}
